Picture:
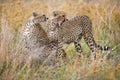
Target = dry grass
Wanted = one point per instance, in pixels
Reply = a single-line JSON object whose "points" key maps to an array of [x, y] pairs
{"points": [[105, 16]]}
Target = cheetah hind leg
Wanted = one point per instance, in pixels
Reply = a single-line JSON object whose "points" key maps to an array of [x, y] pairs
{"points": [[91, 43], [93, 46]]}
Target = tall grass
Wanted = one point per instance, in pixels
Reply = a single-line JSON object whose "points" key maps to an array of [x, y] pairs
{"points": [[105, 17]]}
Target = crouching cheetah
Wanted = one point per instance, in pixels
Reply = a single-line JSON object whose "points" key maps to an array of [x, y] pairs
{"points": [[72, 31], [37, 42]]}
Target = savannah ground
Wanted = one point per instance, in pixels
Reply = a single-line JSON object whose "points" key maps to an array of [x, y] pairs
{"points": [[105, 16]]}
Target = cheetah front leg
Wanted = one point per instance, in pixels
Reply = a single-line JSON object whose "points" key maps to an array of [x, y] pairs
{"points": [[61, 52], [78, 47]]}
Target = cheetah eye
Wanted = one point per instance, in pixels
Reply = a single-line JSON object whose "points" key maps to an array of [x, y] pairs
{"points": [[55, 14], [47, 18]]}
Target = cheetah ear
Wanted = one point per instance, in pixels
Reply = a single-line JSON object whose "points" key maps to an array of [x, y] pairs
{"points": [[54, 14], [63, 15], [34, 14]]}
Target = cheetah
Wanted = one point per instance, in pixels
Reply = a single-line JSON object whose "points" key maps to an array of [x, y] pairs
{"points": [[33, 34], [37, 42], [72, 31]]}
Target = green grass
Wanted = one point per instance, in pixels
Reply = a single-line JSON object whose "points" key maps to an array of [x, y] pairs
{"points": [[74, 68]]}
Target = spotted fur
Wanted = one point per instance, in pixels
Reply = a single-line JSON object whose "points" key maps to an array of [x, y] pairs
{"points": [[72, 31], [36, 41], [33, 34]]}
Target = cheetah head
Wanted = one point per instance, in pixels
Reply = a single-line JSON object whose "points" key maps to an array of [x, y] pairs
{"points": [[56, 22], [60, 19], [38, 18], [56, 13]]}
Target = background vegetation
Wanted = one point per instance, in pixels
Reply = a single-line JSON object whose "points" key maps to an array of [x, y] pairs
{"points": [[105, 16]]}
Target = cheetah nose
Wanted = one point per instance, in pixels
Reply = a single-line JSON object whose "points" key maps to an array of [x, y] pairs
{"points": [[47, 18]]}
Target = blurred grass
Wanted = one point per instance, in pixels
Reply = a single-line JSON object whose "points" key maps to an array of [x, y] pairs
{"points": [[105, 16]]}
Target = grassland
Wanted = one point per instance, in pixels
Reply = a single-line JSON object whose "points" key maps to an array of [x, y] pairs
{"points": [[105, 16]]}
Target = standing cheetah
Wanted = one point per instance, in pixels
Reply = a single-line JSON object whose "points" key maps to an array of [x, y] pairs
{"points": [[72, 31]]}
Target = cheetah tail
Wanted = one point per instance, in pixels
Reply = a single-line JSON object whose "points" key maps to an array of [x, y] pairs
{"points": [[105, 48]]}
